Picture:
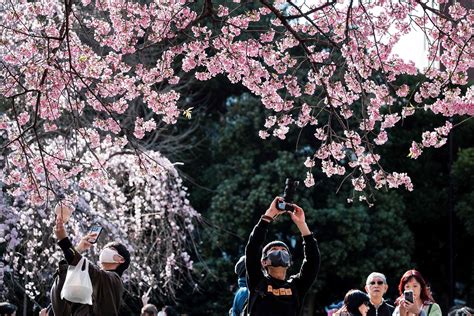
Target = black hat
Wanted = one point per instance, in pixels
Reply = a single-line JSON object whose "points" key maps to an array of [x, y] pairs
{"points": [[240, 267], [7, 308], [353, 299]]}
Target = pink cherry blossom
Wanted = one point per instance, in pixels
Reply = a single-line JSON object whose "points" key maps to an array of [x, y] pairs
{"points": [[330, 72], [309, 181], [415, 150]]}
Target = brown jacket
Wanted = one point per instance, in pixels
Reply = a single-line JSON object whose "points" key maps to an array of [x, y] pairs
{"points": [[107, 289]]}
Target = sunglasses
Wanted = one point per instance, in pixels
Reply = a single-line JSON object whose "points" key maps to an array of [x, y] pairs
{"points": [[378, 283], [366, 303]]}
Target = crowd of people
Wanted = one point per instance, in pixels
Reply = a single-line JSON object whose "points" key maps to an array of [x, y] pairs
{"points": [[265, 287]]}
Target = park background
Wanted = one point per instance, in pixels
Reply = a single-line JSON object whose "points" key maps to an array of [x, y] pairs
{"points": [[232, 175]]}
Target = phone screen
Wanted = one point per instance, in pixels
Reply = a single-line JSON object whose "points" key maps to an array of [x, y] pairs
{"points": [[97, 230], [408, 296], [281, 205]]}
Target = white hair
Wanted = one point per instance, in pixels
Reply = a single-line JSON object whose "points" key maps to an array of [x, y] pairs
{"points": [[374, 275]]}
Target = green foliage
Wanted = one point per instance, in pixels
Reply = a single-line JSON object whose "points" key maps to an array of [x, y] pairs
{"points": [[239, 175], [357, 240], [463, 175]]}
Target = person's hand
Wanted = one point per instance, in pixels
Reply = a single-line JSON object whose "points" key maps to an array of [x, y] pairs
{"points": [[146, 297], [403, 307], [43, 312], [59, 229], [411, 307], [85, 244], [341, 311], [297, 216], [272, 210]]}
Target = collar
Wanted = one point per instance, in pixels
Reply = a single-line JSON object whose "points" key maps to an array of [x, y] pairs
{"points": [[377, 306]]}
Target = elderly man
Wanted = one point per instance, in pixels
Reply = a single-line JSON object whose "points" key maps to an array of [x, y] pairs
{"points": [[376, 286]]}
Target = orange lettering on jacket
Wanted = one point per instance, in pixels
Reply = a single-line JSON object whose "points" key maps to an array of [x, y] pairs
{"points": [[279, 291]]}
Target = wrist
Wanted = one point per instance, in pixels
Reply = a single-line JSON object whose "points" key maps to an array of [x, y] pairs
{"points": [[270, 213], [267, 218], [303, 228], [301, 225]]}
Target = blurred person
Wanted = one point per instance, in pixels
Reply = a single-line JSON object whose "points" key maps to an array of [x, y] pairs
{"points": [[7, 309], [356, 303], [423, 303], [106, 280], [47, 311], [462, 311], [271, 291], [376, 286], [242, 293], [149, 310], [168, 311], [334, 308]]}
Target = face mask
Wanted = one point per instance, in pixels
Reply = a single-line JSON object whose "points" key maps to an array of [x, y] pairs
{"points": [[107, 255], [279, 258]]}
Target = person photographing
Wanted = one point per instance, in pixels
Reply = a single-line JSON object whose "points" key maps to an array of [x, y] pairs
{"points": [[106, 280], [272, 291]]}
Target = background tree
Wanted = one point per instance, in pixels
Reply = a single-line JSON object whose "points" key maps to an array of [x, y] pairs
{"points": [[93, 64], [98, 73], [148, 212], [234, 190]]}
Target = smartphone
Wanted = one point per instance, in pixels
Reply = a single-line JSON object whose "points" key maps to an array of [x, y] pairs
{"points": [[408, 296], [97, 229]]}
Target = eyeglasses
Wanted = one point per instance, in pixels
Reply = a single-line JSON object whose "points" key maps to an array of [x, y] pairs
{"points": [[378, 283]]}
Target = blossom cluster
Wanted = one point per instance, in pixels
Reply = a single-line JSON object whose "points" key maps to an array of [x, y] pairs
{"points": [[139, 200], [110, 72]]}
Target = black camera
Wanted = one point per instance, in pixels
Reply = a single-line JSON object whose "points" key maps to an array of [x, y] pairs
{"points": [[290, 188]]}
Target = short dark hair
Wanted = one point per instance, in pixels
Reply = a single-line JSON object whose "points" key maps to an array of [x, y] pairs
{"points": [[170, 311], [353, 299], [7, 308], [122, 250]]}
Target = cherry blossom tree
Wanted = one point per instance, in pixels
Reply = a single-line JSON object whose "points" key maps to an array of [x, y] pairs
{"points": [[89, 68], [143, 205], [88, 84]]}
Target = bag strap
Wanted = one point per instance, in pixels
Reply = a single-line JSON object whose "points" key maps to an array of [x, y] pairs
{"points": [[79, 265], [429, 309], [86, 263]]}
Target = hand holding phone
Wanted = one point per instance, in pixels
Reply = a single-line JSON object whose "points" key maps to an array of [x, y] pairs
{"points": [[95, 230], [408, 295]]}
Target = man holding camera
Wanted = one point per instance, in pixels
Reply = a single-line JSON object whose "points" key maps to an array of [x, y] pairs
{"points": [[271, 291]]}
